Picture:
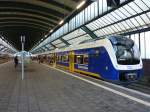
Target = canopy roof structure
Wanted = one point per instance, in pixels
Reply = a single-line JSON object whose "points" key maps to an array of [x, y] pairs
{"points": [[5, 47], [32, 18], [51, 24], [100, 19]]}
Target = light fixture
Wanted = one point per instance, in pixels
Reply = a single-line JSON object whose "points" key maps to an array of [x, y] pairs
{"points": [[81, 4], [51, 31], [61, 22], [45, 36]]}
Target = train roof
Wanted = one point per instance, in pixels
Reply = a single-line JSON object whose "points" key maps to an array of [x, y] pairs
{"points": [[92, 43], [85, 45]]}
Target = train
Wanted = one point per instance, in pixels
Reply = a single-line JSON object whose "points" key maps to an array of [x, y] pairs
{"points": [[115, 59]]}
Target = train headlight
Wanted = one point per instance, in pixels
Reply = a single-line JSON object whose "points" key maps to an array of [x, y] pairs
{"points": [[131, 76]]}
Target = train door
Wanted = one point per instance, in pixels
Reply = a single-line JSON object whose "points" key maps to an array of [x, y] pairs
{"points": [[71, 61]]}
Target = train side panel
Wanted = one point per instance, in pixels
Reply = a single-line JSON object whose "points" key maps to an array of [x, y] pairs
{"points": [[99, 64], [102, 64]]}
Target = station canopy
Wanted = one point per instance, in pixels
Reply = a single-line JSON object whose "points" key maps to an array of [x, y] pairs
{"points": [[99, 19], [51, 24], [32, 18]]}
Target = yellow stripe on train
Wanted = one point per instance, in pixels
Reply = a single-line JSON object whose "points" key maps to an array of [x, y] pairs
{"points": [[80, 71]]}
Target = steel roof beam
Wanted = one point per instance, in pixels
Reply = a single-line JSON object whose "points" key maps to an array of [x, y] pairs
{"points": [[3, 27], [6, 19], [53, 45], [58, 4], [17, 14], [29, 11], [64, 41], [88, 31], [30, 4], [24, 23]]}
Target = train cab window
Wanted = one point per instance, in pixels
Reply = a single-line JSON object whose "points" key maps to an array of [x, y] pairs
{"points": [[79, 59]]}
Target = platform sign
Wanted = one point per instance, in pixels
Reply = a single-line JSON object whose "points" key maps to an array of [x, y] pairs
{"points": [[22, 42]]}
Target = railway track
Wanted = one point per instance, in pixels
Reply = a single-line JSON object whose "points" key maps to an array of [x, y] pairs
{"points": [[140, 86]]}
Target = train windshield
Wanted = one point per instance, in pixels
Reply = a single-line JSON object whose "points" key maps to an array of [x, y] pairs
{"points": [[126, 51]]}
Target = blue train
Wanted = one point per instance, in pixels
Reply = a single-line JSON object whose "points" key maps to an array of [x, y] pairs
{"points": [[115, 59]]}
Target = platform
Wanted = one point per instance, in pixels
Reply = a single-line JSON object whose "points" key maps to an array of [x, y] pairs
{"points": [[48, 90]]}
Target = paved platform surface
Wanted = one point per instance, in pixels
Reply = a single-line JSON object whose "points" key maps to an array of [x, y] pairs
{"points": [[47, 90]]}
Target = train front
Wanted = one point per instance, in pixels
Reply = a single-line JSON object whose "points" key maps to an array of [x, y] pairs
{"points": [[128, 60]]}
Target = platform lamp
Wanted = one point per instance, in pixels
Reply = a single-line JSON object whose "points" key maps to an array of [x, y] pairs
{"points": [[22, 42]]}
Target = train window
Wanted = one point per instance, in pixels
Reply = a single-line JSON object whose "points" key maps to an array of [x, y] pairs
{"points": [[86, 59], [57, 58], [65, 58], [60, 58], [75, 59], [79, 59]]}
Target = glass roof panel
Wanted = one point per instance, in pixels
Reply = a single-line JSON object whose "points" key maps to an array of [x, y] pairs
{"points": [[129, 9], [117, 27], [112, 17], [141, 4], [107, 18], [99, 33], [145, 18], [102, 21], [121, 26], [125, 24], [56, 41], [125, 12], [136, 8], [114, 28], [106, 30], [116, 16], [120, 14], [110, 29], [138, 18], [130, 23], [147, 2], [133, 20], [99, 23], [79, 39], [61, 45], [92, 26], [96, 25], [48, 45], [76, 33]]}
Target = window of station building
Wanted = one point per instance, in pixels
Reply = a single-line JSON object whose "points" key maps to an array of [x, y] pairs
{"points": [[142, 44], [147, 42], [136, 39], [142, 40]]}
